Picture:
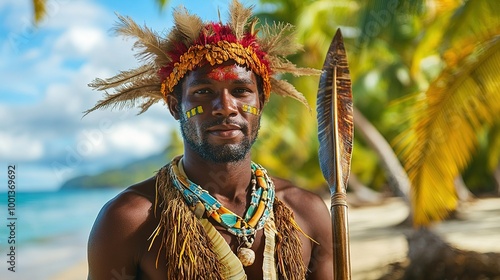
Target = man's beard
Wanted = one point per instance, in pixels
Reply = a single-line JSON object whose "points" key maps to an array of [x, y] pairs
{"points": [[223, 153]]}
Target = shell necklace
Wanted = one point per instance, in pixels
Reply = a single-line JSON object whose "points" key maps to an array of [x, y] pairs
{"points": [[261, 206]]}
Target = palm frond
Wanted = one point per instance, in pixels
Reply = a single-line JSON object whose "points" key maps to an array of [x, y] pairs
{"points": [[475, 19], [494, 147], [442, 138], [440, 7], [162, 3], [39, 10], [380, 16], [430, 42]]}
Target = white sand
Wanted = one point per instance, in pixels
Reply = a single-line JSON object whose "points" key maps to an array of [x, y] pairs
{"points": [[376, 240]]}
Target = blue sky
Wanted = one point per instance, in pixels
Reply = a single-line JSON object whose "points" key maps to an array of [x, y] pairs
{"points": [[44, 75]]}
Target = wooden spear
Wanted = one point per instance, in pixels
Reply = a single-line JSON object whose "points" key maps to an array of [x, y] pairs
{"points": [[335, 134]]}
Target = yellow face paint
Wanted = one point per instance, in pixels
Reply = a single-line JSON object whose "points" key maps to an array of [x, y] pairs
{"points": [[195, 111], [250, 109]]}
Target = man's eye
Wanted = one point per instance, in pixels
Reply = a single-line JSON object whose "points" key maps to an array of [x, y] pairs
{"points": [[202, 91], [241, 91]]}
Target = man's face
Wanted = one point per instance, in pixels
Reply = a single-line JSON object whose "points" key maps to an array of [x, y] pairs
{"points": [[223, 132]]}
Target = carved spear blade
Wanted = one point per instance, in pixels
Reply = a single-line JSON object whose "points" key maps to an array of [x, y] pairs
{"points": [[335, 134]]}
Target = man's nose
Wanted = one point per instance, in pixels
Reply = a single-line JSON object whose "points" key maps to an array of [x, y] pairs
{"points": [[225, 104]]}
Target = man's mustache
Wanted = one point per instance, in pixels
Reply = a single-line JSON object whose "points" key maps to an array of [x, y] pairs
{"points": [[224, 121]]}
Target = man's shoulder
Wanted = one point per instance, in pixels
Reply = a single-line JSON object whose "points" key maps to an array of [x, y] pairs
{"points": [[310, 210], [132, 204], [120, 233], [301, 201]]}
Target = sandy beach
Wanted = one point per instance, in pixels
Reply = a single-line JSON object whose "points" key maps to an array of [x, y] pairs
{"points": [[376, 240]]}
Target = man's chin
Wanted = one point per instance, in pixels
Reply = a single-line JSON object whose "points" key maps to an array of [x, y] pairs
{"points": [[225, 154]]}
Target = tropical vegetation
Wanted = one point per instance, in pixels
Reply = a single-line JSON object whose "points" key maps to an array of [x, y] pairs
{"points": [[425, 80], [425, 74]]}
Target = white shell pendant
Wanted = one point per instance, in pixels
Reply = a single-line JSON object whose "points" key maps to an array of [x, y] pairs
{"points": [[246, 256]]}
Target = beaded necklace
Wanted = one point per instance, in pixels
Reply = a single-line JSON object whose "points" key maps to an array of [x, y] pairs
{"points": [[261, 206]]}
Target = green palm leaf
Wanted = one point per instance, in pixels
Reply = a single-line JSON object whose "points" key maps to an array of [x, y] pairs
{"points": [[39, 10], [474, 21], [447, 119], [494, 147]]}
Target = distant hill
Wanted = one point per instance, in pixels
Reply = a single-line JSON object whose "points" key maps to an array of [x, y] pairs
{"points": [[130, 173], [119, 177]]}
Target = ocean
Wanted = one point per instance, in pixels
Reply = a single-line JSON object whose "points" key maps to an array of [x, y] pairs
{"points": [[50, 231]]}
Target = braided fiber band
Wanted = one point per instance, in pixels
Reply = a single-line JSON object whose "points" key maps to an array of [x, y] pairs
{"points": [[214, 54], [339, 198]]}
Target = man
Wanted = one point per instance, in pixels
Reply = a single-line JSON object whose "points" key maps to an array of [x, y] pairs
{"points": [[211, 213]]}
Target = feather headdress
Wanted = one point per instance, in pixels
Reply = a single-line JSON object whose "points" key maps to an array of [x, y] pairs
{"points": [[192, 43]]}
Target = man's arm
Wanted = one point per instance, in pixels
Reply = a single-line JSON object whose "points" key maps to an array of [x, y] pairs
{"points": [[114, 242], [312, 215], [321, 263]]}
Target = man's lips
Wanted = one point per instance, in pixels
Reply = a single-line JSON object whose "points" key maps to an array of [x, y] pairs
{"points": [[225, 131]]}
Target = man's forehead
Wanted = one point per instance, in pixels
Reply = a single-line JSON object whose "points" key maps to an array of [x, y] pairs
{"points": [[224, 72]]}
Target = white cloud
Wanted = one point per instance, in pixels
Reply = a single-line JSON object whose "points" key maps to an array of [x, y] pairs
{"points": [[62, 14], [80, 39], [132, 136], [62, 100], [20, 146], [132, 139]]}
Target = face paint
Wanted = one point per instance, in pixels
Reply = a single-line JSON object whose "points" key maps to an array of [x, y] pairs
{"points": [[250, 109], [195, 111], [223, 73]]}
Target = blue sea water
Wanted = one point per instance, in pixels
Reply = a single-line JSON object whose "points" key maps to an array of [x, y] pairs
{"points": [[51, 231]]}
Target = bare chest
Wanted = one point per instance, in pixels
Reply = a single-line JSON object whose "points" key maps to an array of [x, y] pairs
{"points": [[153, 260]]}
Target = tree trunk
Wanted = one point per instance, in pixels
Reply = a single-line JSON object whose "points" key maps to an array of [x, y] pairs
{"points": [[463, 192], [363, 194], [433, 258], [496, 176], [398, 179]]}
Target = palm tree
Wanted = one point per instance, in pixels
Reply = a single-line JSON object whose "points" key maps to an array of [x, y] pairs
{"points": [[440, 61], [38, 10], [315, 33], [287, 150], [456, 107], [445, 51]]}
